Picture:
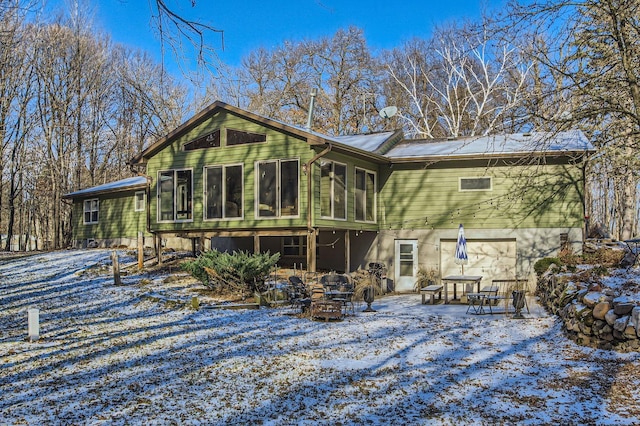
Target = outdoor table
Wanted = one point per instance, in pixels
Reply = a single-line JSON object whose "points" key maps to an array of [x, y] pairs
{"points": [[459, 279]]}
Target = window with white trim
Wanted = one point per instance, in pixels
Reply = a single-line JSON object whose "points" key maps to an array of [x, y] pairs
{"points": [[175, 196], [278, 188], [333, 190], [475, 184], [365, 195], [139, 201], [91, 211], [223, 192]]}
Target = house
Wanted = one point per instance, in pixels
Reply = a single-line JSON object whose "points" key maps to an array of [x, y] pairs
{"points": [[230, 179], [111, 214]]}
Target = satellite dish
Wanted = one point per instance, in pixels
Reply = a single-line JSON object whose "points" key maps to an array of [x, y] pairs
{"points": [[388, 112]]}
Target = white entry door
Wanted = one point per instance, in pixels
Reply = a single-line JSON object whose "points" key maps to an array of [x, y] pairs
{"points": [[406, 265]]}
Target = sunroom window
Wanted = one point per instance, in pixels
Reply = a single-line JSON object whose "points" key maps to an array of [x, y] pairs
{"points": [[91, 211], [333, 190], [278, 188], [223, 191], [175, 199], [365, 195]]}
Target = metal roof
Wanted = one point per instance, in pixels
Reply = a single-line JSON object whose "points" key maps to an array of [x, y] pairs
{"points": [[480, 146], [120, 185]]}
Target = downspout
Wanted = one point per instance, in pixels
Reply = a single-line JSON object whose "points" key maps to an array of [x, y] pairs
{"points": [[308, 165]]}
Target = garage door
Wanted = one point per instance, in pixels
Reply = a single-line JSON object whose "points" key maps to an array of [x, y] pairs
{"points": [[492, 259]]}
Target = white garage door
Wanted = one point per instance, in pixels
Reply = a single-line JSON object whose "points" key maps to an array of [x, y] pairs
{"points": [[492, 259]]}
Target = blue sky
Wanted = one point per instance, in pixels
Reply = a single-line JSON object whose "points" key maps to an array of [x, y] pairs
{"points": [[251, 24]]}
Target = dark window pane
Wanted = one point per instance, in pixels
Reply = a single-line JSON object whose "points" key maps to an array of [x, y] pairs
{"points": [[238, 137], [289, 188], [233, 182], [212, 140], [165, 188], [214, 192], [339, 191], [183, 195], [475, 184], [267, 204]]}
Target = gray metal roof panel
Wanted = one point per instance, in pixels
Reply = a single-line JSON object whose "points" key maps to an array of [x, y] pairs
{"points": [[517, 143], [120, 185]]}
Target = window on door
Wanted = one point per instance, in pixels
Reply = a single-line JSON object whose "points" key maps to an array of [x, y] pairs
{"points": [[175, 199], [333, 190]]}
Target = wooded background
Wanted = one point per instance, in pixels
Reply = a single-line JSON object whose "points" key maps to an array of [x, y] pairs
{"points": [[76, 107]]}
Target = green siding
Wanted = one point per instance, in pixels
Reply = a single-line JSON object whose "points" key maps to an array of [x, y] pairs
{"points": [[278, 146], [350, 222], [117, 218], [522, 197]]}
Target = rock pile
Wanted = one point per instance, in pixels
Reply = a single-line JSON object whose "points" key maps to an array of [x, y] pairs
{"points": [[593, 316]]}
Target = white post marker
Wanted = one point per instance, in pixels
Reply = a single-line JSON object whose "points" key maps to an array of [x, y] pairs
{"points": [[34, 324]]}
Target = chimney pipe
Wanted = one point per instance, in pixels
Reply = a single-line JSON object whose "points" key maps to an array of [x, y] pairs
{"points": [[312, 103]]}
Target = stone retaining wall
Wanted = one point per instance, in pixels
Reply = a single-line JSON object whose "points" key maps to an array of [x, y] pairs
{"points": [[592, 316]]}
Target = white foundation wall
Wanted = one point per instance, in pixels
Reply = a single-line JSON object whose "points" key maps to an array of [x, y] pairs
{"points": [[531, 244]]}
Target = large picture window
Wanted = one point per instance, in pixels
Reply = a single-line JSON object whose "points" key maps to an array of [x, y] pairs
{"points": [[365, 195], [278, 185], [91, 211], [223, 191], [333, 190], [175, 196]]}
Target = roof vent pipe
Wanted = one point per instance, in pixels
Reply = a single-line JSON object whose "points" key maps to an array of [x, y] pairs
{"points": [[312, 103]]}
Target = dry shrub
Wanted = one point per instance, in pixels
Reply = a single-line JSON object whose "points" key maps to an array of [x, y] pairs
{"points": [[604, 256]]}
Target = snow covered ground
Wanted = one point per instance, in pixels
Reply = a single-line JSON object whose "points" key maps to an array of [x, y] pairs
{"points": [[129, 355]]}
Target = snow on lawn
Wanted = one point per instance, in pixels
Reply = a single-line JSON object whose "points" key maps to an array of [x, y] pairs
{"points": [[114, 355]]}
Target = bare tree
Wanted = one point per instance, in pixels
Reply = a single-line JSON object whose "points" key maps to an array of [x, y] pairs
{"points": [[341, 68], [463, 82], [592, 50], [15, 97]]}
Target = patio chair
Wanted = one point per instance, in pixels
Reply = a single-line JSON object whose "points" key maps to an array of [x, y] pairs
{"points": [[345, 296], [504, 294], [476, 302]]}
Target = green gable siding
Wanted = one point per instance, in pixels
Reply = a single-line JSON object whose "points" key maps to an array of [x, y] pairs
{"points": [[117, 218], [522, 197], [279, 145]]}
